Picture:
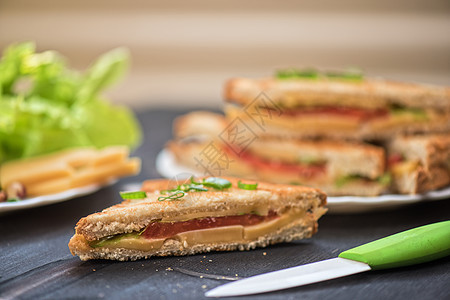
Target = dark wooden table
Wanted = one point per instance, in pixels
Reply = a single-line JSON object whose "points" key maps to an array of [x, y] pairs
{"points": [[35, 262]]}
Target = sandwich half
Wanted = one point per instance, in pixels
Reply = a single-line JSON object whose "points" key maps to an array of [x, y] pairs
{"points": [[336, 167], [419, 163], [208, 214], [300, 104]]}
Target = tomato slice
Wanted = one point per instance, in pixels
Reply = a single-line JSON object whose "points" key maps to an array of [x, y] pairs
{"points": [[159, 230], [394, 159], [304, 170]]}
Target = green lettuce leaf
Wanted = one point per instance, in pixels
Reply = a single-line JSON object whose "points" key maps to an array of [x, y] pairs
{"points": [[45, 106]]}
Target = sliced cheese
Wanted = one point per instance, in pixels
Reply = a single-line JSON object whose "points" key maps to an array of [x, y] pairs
{"points": [[404, 167], [111, 155], [56, 172], [49, 187], [105, 172]]}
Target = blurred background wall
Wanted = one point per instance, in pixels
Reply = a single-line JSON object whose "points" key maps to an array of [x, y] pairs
{"points": [[184, 50]]}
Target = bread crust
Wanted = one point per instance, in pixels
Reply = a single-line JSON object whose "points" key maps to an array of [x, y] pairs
{"points": [[430, 150], [370, 93], [432, 156], [198, 123]]}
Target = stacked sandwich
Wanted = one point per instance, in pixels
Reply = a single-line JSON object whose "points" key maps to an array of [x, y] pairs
{"points": [[339, 132]]}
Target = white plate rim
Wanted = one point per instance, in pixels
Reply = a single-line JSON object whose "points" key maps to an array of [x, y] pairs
{"points": [[53, 198], [167, 167]]}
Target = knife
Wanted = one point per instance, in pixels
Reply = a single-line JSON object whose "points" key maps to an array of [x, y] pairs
{"points": [[406, 248]]}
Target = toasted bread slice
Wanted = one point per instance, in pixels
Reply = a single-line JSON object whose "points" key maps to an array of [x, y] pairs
{"points": [[242, 219], [198, 124], [368, 94], [420, 163]]}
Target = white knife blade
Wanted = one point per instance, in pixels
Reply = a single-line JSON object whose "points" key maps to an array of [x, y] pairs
{"points": [[287, 278]]}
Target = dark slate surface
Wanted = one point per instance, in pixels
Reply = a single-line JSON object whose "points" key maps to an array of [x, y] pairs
{"points": [[35, 262]]}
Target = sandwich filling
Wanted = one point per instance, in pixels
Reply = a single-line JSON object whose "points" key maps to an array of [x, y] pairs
{"points": [[234, 228], [393, 114], [306, 169]]}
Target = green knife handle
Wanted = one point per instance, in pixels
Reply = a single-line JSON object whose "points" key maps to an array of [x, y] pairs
{"points": [[410, 247]]}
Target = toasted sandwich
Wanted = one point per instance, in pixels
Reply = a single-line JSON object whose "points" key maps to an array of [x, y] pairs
{"points": [[419, 163], [336, 167], [303, 104], [210, 214]]}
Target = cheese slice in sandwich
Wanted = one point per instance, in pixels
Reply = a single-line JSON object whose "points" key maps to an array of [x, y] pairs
{"points": [[419, 163], [336, 167], [209, 214], [339, 107]]}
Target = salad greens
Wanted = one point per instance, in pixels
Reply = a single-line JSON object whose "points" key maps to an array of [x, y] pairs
{"points": [[46, 106]]}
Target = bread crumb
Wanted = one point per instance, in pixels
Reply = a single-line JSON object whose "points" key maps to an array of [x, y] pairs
{"points": [[169, 269], [204, 286], [201, 276], [264, 253], [210, 260]]}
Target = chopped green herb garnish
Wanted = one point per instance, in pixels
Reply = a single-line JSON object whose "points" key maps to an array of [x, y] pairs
{"points": [[295, 73], [212, 182], [349, 74], [247, 186], [185, 187], [216, 183], [12, 200], [133, 195], [175, 196]]}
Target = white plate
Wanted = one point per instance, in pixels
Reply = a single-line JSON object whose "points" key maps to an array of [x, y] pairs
{"points": [[53, 198], [167, 166]]}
